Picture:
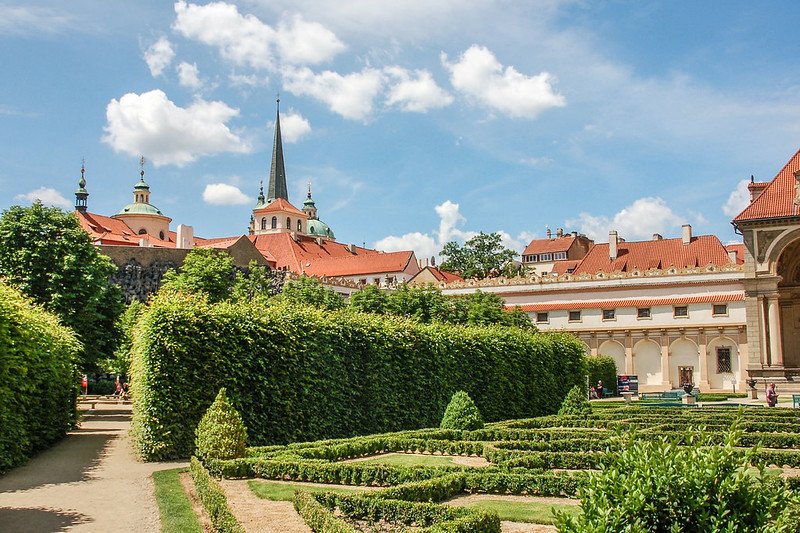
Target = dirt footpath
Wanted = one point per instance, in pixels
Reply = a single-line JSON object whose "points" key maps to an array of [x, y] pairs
{"points": [[90, 481]]}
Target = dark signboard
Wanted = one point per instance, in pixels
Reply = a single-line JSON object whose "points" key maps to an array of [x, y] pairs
{"points": [[628, 384]]}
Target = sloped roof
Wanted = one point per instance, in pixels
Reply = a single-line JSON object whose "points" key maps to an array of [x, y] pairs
{"points": [[438, 275], [543, 246], [634, 302], [355, 265], [282, 205], [286, 252], [562, 267], [113, 231], [665, 253], [777, 200], [739, 249]]}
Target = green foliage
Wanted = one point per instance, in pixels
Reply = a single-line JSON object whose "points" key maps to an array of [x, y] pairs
{"points": [[576, 403], [221, 433], [46, 254], [602, 367], [370, 299], [214, 500], [256, 285], [300, 373], [479, 257], [659, 485], [310, 291], [423, 303], [38, 378], [120, 362], [205, 270], [461, 413], [174, 507]]}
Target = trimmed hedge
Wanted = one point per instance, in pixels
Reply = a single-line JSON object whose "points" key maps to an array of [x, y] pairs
{"points": [[299, 373], [213, 498], [38, 378]]}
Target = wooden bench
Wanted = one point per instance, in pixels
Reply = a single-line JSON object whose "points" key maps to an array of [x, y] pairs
{"points": [[795, 400]]}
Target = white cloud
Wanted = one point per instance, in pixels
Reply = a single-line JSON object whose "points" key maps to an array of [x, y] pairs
{"points": [[351, 95], [640, 220], [25, 20], [424, 246], [417, 93], [158, 56], [248, 80], [243, 39], [189, 75], [301, 42], [482, 78], [449, 219], [738, 199], [224, 194], [47, 196], [151, 124], [293, 126]]}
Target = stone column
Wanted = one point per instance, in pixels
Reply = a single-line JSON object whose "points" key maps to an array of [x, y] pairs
{"points": [[665, 377], [629, 355], [763, 330], [775, 341], [702, 353]]}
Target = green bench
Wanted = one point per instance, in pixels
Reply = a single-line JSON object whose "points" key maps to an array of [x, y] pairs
{"points": [[795, 400], [669, 395]]}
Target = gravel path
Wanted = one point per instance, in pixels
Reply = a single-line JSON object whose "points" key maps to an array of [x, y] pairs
{"points": [[90, 481]]}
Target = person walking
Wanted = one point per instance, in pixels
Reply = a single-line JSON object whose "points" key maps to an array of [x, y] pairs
{"points": [[772, 396]]}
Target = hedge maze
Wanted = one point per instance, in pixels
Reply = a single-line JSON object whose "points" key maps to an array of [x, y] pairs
{"points": [[544, 456]]}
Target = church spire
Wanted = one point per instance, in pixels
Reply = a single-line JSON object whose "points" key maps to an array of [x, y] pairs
{"points": [[81, 194], [277, 173]]}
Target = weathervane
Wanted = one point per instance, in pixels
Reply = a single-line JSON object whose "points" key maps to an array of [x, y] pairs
{"points": [[141, 164]]}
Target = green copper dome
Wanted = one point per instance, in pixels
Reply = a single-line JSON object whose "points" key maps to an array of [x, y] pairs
{"points": [[139, 208], [319, 228]]}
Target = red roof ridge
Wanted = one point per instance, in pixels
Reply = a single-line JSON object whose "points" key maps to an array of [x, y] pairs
{"points": [[777, 199]]}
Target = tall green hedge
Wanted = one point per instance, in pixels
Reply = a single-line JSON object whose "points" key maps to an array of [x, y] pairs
{"points": [[300, 373], [602, 367], [38, 378]]}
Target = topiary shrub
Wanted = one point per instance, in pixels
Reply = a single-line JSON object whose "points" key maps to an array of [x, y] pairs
{"points": [[663, 485], [221, 433], [462, 413], [576, 403]]}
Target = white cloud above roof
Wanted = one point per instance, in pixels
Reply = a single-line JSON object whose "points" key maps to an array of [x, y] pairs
{"points": [[158, 56], [224, 194], [738, 199], [482, 78], [301, 42], [415, 91], [151, 124], [47, 196], [639, 220], [293, 126]]}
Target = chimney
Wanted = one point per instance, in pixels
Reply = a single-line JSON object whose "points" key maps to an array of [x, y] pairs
{"points": [[657, 237], [185, 237], [732, 256], [144, 242], [687, 233], [613, 245], [351, 248], [549, 233], [433, 260], [757, 188], [574, 233], [559, 232], [319, 241]]}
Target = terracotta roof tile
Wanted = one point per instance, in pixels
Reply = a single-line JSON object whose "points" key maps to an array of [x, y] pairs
{"points": [[279, 204], [293, 254], [107, 230], [543, 246], [739, 249], [662, 254], [562, 267], [355, 265], [634, 302], [777, 200]]}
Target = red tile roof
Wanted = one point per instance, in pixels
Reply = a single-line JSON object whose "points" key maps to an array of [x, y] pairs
{"points": [[279, 204], [107, 230], [543, 246], [739, 249], [637, 302], [441, 275], [661, 254], [562, 267], [291, 254], [777, 200], [355, 265]]}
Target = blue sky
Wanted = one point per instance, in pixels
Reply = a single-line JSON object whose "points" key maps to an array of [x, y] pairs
{"points": [[417, 122]]}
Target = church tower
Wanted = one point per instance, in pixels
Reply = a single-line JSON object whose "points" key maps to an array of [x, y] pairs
{"points": [[143, 217], [277, 173]]}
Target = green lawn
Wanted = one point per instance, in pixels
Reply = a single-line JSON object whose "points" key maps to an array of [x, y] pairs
{"points": [[271, 490], [407, 459], [174, 506], [533, 512]]}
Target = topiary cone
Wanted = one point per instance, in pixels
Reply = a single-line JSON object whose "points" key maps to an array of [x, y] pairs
{"points": [[462, 413], [221, 433]]}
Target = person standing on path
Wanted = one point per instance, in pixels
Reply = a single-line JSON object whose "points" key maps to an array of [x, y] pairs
{"points": [[772, 396]]}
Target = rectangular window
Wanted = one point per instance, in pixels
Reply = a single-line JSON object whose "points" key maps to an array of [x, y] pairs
{"points": [[560, 255], [541, 317], [720, 309], [574, 316], [723, 360], [643, 312], [609, 314], [546, 257], [680, 311]]}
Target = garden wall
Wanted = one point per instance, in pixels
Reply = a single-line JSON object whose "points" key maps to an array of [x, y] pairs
{"points": [[298, 373], [38, 378]]}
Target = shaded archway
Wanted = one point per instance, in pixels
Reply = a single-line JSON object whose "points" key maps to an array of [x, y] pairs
{"points": [[788, 270]]}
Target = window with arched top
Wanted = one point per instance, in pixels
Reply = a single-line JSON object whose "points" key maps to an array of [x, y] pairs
{"points": [[264, 223], [288, 223], [161, 235], [299, 225], [274, 222], [312, 230], [142, 231]]}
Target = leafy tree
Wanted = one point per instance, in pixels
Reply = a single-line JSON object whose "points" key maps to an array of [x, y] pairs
{"points": [[575, 403], [257, 284], [485, 308], [462, 413], [602, 368], [204, 270], [370, 299], [221, 433], [310, 291], [519, 318], [120, 361], [662, 485], [46, 254], [479, 257], [425, 303]]}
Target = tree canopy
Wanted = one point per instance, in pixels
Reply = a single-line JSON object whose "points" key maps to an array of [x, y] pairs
{"points": [[479, 257], [46, 254], [310, 291]]}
